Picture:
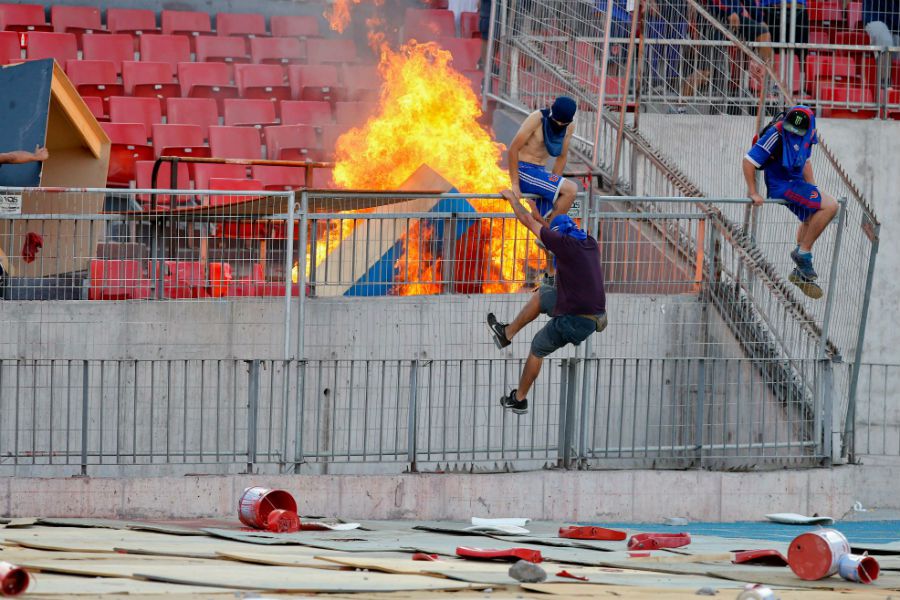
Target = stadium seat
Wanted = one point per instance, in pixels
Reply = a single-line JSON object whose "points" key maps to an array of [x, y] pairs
{"points": [[188, 279], [279, 178], [206, 80], [262, 82], [831, 96], [193, 23], [302, 112], [203, 172], [322, 179], [10, 50], [292, 142], [819, 36], [468, 25], [222, 49], [117, 48], [825, 11], [76, 19], [756, 76], [301, 26], [128, 144], [127, 109], [95, 78], [133, 21], [256, 113], [466, 52], [854, 15], [851, 38], [476, 80], [61, 47], [277, 50], [428, 24], [202, 112], [172, 49], [362, 82], [150, 80], [893, 98], [118, 280], [144, 181], [330, 135], [319, 51], [179, 140], [241, 24], [301, 76], [222, 183], [95, 105], [234, 142], [353, 113], [24, 17]]}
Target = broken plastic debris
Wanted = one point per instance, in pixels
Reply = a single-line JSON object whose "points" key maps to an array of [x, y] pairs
{"points": [[517, 521]]}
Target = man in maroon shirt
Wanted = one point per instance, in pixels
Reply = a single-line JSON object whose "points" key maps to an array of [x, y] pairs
{"points": [[576, 305]]}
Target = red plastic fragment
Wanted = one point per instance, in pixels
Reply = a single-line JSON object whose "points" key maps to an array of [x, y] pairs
{"points": [[282, 521], [655, 541], [591, 533], [509, 554], [771, 558], [565, 573], [423, 556]]}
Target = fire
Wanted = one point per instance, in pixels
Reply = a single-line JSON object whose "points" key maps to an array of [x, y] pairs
{"points": [[339, 15]]}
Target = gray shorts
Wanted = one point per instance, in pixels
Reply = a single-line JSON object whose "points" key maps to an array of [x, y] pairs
{"points": [[561, 330]]}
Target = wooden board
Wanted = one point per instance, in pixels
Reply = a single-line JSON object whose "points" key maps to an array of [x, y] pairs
{"points": [[48, 584]]}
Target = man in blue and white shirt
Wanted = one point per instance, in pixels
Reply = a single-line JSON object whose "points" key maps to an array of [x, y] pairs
{"points": [[782, 152]]}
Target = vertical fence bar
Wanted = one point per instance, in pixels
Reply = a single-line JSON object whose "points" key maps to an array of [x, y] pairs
{"points": [[252, 410], [488, 58], [562, 447], [701, 407], [832, 274], [827, 408], [288, 275], [601, 99], [301, 272], [411, 414], [85, 402]]}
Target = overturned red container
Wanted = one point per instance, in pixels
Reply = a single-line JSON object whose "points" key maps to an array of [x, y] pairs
{"points": [[283, 521], [815, 555], [13, 580], [257, 502], [859, 568]]}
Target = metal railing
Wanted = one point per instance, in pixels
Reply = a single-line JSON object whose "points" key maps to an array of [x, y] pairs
{"points": [[873, 423]]}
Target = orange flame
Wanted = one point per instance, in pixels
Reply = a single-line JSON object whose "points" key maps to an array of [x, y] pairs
{"points": [[338, 16]]}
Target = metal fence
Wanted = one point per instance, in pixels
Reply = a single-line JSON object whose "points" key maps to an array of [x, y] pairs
{"points": [[873, 423], [217, 416]]}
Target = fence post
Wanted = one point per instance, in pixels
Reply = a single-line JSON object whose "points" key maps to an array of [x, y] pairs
{"points": [[832, 273], [412, 416], [701, 406], [289, 275], [302, 254], [300, 414], [567, 408], [827, 407], [85, 405], [252, 411]]}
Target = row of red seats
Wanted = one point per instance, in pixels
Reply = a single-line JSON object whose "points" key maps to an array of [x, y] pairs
{"points": [[133, 279]]}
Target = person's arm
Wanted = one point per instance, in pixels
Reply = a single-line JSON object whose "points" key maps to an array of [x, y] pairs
{"points": [[536, 213], [523, 215], [750, 177], [23, 156], [808, 173], [559, 165], [529, 126]]}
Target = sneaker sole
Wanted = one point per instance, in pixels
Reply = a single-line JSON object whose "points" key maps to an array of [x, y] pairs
{"points": [[810, 288], [520, 411]]}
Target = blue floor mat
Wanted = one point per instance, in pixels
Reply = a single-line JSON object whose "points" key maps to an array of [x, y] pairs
{"points": [[858, 532]]}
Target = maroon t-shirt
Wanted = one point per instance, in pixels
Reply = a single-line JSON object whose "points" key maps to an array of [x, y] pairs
{"points": [[579, 277]]}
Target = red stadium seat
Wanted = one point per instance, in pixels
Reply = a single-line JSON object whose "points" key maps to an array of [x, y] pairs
{"points": [[75, 19], [295, 26], [10, 49], [116, 47], [118, 280], [428, 24], [279, 178], [95, 78], [241, 24], [234, 142], [277, 50], [893, 110], [133, 21], [188, 279], [257, 113], [851, 38], [193, 23], [203, 172], [149, 80], [222, 49], [262, 81], [468, 25], [216, 183], [206, 80], [302, 112], [854, 15], [292, 142], [24, 17], [179, 140], [466, 52], [353, 113], [127, 109], [95, 104], [362, 82], [172, 49], [830, 97], [301, 76], [322, 179], [819, 36], [825, 11], [755, 79], [319, 51], [476, 80], [144, 181], [128, 144], [61, 47], [202, 112], [330, 135]]}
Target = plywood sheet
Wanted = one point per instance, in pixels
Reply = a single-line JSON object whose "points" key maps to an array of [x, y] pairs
{"points": [[113, 524], [65, 586]]}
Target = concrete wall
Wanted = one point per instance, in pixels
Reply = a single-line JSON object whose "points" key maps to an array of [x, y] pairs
{"points": [[637, 495]]}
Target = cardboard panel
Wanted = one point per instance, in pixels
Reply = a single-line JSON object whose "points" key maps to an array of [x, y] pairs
{"points": [[24, 106]]}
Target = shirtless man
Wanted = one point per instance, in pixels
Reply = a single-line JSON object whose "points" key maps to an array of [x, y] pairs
{"points": [[544, 133]]}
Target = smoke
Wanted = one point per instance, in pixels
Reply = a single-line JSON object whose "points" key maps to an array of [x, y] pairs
{"points": [[372, 24]]}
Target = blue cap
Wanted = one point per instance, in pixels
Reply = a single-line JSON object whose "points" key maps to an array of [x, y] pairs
{"points": [[563, 109]]}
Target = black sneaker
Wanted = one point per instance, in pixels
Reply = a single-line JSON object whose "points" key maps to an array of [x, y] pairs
{"points": [[549, 280], [498, 331], [519, 407]]}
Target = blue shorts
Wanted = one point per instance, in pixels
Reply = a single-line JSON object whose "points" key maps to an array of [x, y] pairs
{"points": [[803, 198], [535, 179]]}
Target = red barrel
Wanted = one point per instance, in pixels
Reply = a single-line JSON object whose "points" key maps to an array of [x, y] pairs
{"points": [[257, 502], [815, 555], [13, 580]]}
